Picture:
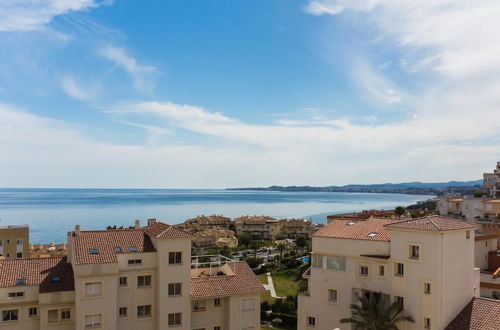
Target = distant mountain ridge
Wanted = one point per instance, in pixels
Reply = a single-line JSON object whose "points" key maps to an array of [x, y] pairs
{"points": [[404, 188]]}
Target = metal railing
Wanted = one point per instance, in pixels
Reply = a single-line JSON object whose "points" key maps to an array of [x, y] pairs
{"points": [[211, 264]]}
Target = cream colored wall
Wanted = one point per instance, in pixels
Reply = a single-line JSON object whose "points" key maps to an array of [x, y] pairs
{"points": [[481, 249], [349, 247], [236, 318], [471, 208], [213, 316]]}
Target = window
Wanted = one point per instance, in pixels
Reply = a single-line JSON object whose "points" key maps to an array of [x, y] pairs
{"points": [[132, 248], [174, 319], [93, 289], [400, 301], [311, 322], [93, 251], [93, 321], [332, 295], [217, 327], [19, 241], [336, 263], [467, 234], [174, 289], [123, 281], [16, 295], [118, 249], [20, 281], [122, 312], [135, 262], [52, 315], [175, 258], [427, 323], [217, 302], [372, 235], [144, 281], [55, 279], [381, 270], [10, 315], [144, 311], [363, 270], [427, 288], [248, 305], [19, 255], [33, 312], [65, 314], [199, 306], [399, 269], [317, 261], [414, 251]]}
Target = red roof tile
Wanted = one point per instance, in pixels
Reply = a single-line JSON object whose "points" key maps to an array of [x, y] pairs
{"points": [[37, 271], [242, 282], [358, 230], [479, 314], [105, 241], [434, 223]]}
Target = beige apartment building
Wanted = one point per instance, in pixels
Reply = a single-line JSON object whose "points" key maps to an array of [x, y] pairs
{"points": [[14, 241], [427, 264], [263, 227], [491, 182], [129, 279]]}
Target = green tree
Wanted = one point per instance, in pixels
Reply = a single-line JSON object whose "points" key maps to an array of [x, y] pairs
{"points": [[301, 242], [281, 247], [375, 313], [399, 210], [244, 239]]}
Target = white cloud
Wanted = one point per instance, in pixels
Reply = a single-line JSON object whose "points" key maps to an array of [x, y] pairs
{"points": [[321, 8], [75, 90], [29, 15], [141, 74]]}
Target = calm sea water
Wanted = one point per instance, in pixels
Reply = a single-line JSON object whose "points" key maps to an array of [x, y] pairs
{"points": [[51, 213]]}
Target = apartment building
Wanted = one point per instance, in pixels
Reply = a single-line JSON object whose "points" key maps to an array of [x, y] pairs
{"points": [[365, 214], [427, 264], [296, 227], [491, 182], [263, 227], [138, 279], [14, 241], [202, 222]]}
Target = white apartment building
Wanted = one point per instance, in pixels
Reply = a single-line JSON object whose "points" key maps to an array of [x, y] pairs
{"points": [[130, 279], [426, 263]]}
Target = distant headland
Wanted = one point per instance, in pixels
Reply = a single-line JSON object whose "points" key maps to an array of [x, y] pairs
{"points": [[413, 188]]}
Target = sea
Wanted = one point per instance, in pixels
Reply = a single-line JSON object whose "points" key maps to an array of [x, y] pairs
{"points": [[51, 213]]}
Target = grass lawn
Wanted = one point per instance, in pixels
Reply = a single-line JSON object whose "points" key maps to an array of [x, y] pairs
{"points": [[283, 283]]}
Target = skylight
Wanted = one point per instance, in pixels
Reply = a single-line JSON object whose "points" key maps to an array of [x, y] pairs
{"points": [[56, 279], [94, 251], [118, 249], [372, 234], [132, 248], [21, 281], [350, 223]]}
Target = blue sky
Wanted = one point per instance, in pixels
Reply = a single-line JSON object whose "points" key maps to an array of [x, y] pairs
{"points": [[202, 94]]}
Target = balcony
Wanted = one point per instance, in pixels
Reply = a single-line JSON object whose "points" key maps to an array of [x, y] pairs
{"points": [[212, 265]]}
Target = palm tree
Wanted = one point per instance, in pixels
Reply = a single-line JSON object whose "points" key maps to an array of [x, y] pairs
{"points": [[375, 313]]}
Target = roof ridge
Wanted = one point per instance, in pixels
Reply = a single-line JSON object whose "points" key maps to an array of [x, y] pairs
{"points": [[435, 224]]}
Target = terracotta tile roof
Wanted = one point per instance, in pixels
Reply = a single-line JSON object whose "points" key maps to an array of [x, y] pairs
{"points": [[105, 241], [434, 223], [244, 281], [37, 271], [358, 230], [479, 314], [482, 237]]}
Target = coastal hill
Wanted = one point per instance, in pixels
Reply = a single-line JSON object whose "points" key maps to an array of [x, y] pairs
{"points": [[418, 188]]}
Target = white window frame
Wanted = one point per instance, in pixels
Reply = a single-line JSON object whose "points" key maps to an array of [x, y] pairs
{"points": [[333, 293], [248, 304], [95, 321]]}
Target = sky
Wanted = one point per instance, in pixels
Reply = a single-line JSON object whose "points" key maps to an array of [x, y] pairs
{"points": [[216, 94]]}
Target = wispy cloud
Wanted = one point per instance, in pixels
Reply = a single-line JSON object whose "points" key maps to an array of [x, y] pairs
{"points": [[323, 7], [141, 74], [29, 15], [75, 90]]}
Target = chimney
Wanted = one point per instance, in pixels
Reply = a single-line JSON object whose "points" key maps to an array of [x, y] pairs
{"points": [[137, 224], [63, 246], [77, 229], [151, 221]]}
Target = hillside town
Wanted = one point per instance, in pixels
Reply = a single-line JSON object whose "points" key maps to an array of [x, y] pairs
{"points": [[437, 269]]}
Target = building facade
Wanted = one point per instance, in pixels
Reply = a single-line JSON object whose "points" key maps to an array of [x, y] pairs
{"points": [[491, 182], [139, 279], [262, 227], [14, 241], [426, 264]]}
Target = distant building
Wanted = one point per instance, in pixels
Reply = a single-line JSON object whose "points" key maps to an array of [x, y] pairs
{"points": [[129, 279], [202, 222], [211, 237], [47, 250], [365, 214], [491, 182], [295, 227], [262, 227], [14, 241], [490, 221], [487, 259], [426, 264]]}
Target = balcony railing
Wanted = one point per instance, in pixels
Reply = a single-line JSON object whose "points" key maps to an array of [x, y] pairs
{"points": [[212, 265]]}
